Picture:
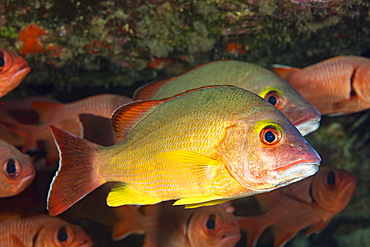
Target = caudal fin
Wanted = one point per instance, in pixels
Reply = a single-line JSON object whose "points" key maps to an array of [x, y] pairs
{"points": [[76, 176], [253, 226], [129, 221]]}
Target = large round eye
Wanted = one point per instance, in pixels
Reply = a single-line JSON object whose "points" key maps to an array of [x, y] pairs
{"points": [[211, 222], [12, 168], [62, 234], [274, 98], [2, 60], [270, 135], [330, 179]]}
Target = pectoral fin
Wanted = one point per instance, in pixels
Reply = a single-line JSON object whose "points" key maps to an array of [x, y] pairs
{"points": [[124, 194], [183, 164]]}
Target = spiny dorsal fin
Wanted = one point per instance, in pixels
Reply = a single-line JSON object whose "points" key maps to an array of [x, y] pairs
{"points": [[285, 72], [127, 116], [147, 91]]}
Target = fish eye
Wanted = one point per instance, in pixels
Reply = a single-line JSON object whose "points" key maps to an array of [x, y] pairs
{"points": [[270, 135], [62, 234], [12, 168], [274, 98], [330, 179], [2, 61], [211, 222]]}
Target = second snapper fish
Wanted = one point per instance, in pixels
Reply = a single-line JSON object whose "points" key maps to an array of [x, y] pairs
{"points": [[41, 230], [165, 225], [338, 85], [312, 202], [244, 75], [13, 68], [201, 147], [17, 171]]}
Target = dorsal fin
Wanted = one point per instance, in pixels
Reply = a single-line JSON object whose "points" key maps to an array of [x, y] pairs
{"points": [[125, 117], [45, 110], [147, 91], [285, 72]]}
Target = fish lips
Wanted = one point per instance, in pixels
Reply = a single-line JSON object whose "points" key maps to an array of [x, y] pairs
{"points": [[295, 172], [20, 73], [231, 237], [26, 181], [308, 124]]}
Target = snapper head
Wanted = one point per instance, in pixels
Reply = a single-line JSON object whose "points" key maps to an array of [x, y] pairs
{"points": [[213, 226], [264, 151]]}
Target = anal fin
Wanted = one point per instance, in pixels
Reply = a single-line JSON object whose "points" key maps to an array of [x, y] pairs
{"points": [[125, 194]]}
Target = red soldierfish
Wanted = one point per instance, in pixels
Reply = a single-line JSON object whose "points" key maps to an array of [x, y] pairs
{"points": [[165, 225], [41, 230], [65, 116], [244, 75], [339, 85], [17, 170], [311, 202], [201, 147], [13, 68]]}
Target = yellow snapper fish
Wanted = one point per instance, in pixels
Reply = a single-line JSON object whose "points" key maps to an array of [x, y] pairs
{"points": [[251, 77], [202, 147]]}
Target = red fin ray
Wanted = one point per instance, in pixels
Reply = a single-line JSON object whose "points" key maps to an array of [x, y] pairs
{"points": [[76, 176]]}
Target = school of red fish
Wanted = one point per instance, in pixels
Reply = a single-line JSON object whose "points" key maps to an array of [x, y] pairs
{"points": [[171, 162]]}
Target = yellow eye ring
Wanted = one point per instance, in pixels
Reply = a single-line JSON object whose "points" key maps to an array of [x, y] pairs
{"points": [[274, 97]]}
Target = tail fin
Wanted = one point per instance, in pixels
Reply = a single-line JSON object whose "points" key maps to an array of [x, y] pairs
{"points": [[26, 131], [254, 227], [76, 176], [128, 223]]}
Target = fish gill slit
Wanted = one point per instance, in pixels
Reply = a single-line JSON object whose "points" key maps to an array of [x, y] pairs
{"points": [[353, 91], [35, 238]]}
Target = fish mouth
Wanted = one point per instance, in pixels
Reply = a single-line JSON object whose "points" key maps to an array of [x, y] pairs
{"points": [[307, 125], [295, 172], [27, 179], [21, 72], [87, 243], [230, 237]]}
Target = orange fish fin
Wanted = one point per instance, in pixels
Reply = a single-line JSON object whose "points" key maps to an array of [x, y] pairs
{"points": [[125, 117], [147, 91], [128, 222], [125, 194], [285, 72], [97, 129], [317, 227], [253, 226], [45, 110], [76, 176], [282, 236]]}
